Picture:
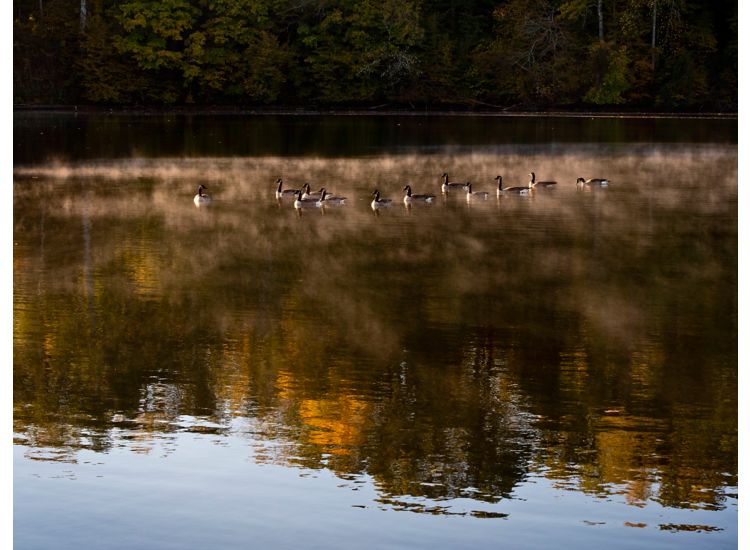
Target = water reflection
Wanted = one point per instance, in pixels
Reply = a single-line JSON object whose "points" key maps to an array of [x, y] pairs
{"points": [[448, 352], [68, 137]]}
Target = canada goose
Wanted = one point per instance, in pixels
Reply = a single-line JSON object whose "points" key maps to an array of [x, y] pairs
{"points": [[601, 182], [301, 202], [481, 195], [535, 183], [518, 190], [200, 198], [377, 202], [452, 186], [286, 192], [409, 198], [307, 194], [326, 198]]}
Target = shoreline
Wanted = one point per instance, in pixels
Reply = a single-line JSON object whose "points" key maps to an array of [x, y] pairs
{"points": [[362, 111]]}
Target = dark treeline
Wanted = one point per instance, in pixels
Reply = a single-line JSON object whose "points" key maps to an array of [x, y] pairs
{"points": [[640, 54]]}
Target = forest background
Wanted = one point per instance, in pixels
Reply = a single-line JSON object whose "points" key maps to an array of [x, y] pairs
{"points": [[648, 55]]}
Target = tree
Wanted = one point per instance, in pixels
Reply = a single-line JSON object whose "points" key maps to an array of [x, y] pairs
{"points": [[206, 50], [45, 46], [106, 76], [666, 54], [608, 62], [533, 53], [612, 70], [360, 50]]}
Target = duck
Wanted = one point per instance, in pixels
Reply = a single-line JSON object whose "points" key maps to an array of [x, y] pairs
{"points": [[481, 195], [535, 183], [409, 198], [288, 193], [302, 202], [601, 182], [519, 190], [200, 198], [307, 194], [452, 186], [326, 198], [377, 202]]}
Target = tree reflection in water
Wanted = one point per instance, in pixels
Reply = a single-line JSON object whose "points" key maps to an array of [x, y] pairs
{"points": [[449, 351]]}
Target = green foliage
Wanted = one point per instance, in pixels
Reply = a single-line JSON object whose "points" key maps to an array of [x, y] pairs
{"points": [[156, 32], [106, 76], [524, 53], [615, 81], [360, 51], [574, 9], [684, 83], [534, 55], [207, 49]]}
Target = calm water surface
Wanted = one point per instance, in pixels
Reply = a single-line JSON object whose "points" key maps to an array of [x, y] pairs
{"points": [[513, 372]]}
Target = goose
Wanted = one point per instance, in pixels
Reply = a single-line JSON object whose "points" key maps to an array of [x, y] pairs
{"points": [[601, 182], [452, 186], [377, 202], [481, 195], [286, 192], [535, 183], [307, 194], [301, 202], [519, 190], [326, 198], [200, 198], [409, 198]]}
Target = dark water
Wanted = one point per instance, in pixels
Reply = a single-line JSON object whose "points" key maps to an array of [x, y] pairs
{"points": [[41, 137], [517, 371]]}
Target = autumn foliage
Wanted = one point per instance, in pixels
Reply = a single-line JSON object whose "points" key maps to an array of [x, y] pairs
{"points": [[644, 54]]}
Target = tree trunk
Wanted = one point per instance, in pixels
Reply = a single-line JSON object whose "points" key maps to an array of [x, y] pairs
{"points": [[600, 12], [653, 39], [84, 11]]}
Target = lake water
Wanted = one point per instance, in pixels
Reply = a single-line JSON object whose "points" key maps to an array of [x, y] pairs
{"points": [[557, 370]]}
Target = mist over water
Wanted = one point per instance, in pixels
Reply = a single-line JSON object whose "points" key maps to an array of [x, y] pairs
{"points": [[482, 361]]}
